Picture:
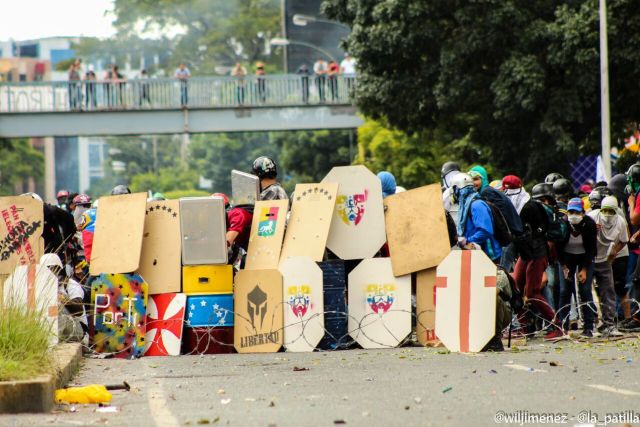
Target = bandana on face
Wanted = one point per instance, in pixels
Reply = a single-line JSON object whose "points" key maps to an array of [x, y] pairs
{"points": [[465, 197], [519, 197]]}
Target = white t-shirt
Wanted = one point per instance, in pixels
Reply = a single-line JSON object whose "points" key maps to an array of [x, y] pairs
{"points": [[348, 66], [605, 245]]}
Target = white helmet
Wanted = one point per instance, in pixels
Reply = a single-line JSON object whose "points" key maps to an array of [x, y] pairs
{"points": [[609, 202], [51, 260], [460, 181]]}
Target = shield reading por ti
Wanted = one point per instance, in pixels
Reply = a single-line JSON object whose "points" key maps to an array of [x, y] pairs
{"points": [[258, 311], [416, 229], [20, 232], [357, 227], [35, 287], [161, 247], [310, 219], [303, 304], [117, 242], [204, 228], [245, 188], [379, 304], [466, 301], [119, 305], [267, 232]]}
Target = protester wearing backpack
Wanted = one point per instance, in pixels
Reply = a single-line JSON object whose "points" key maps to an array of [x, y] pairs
{"points": [[576, 254], [475, 221], [499, 202], [532, 246], [557, 230]]}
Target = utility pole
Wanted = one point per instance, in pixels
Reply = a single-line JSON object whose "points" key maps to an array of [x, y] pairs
{"points": [[604, 92]]}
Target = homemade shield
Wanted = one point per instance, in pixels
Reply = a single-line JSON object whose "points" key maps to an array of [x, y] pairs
{"points": [[426, 306], [310, 219], [357, 226], [245, 188], [160, 257], [258, 311], [466, 301], [416, 229], [267, 232], [36, 288], [20, 232], [117, 241], [165, 318], [303, 304], [204, 228], [119, 303], [379, 304]]}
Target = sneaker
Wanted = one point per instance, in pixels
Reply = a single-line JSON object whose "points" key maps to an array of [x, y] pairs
{"points": [[556, 334], [630, 325], [611, 331], [587, 333]]}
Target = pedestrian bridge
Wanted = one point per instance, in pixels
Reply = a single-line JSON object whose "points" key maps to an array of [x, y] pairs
{"points": [[170, 106]]}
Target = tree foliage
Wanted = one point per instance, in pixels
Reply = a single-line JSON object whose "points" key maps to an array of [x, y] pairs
{"points": [[519, 77], [18, 162]]}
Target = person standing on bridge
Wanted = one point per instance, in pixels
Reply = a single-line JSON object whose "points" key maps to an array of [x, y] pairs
{"points": [[90, 86], [239, 72], [183, 74], [320, 69], [270, 189], [304, 73], [75, 90], [262, 83], [334, 70]]}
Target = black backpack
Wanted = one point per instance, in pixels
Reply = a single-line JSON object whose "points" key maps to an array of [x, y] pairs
{"points": [[556, 228], [501, 230]]}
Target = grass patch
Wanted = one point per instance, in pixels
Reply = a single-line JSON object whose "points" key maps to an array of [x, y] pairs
{"points": [[24, 342]]}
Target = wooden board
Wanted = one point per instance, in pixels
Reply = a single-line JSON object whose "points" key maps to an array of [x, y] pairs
{"points": [[203, 224], [35, 287], [161, 247], [416, 229], [357, 226], [310, 219], [119, 306], [466, 296], [267, 232], [303, 304], [117, 241], [258, 311], [379, 304], [426, 307], [165, 319], [21, 224]]}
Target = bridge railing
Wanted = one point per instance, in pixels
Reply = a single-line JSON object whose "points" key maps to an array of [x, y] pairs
{"points": [[171, 93]]}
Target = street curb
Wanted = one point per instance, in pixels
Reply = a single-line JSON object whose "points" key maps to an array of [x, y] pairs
{"points": [[36, 395]]}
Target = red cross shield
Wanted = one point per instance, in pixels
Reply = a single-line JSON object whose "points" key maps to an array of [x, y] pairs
{"points": [[466, 301], [165, 317]]}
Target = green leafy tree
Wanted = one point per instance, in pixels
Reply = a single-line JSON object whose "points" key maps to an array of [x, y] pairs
{"points": [[521, 78], [415, 159], [19, 161]]}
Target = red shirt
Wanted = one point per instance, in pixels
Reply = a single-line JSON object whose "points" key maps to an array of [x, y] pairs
{"points": [[240, 220]]}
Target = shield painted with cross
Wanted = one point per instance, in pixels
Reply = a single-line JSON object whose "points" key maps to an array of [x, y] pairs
{"points": [[466, 301]]}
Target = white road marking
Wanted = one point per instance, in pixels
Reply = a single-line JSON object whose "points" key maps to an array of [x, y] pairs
{"points": [[613, 389]]}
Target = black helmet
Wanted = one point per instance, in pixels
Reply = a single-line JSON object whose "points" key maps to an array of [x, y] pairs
{"points": [[552, 178], [542, 190], [617, 184], [595, 199], [119, 190], [264, 167], [562, 187], [449, 167]]}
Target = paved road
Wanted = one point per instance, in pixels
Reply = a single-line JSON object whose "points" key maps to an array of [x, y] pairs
{"points": [[407, 386]]}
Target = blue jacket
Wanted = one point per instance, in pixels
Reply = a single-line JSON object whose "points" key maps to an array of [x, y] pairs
{"points": [[479, 229]]}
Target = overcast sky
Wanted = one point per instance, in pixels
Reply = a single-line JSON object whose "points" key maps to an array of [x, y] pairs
{"points": [[31, 19]]}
